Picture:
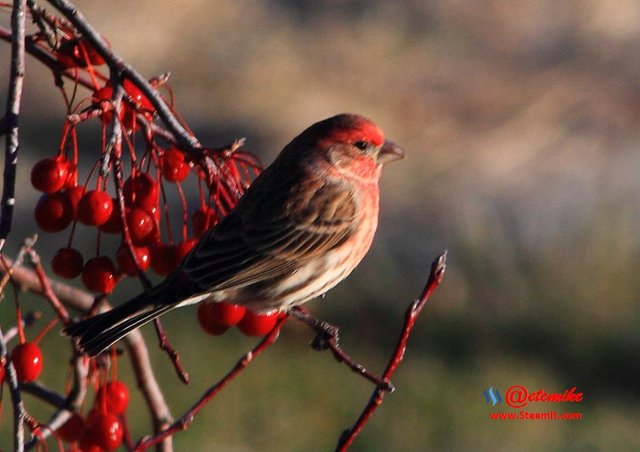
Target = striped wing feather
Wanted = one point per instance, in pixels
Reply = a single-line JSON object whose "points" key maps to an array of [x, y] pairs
{"points": [[261, 245]]}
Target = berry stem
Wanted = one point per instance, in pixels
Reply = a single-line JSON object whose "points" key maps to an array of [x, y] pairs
{"points": [[45, 330], [21, 336], [185, 213]]}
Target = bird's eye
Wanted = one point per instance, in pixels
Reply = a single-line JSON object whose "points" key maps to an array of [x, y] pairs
{"points": [[362, 145]]}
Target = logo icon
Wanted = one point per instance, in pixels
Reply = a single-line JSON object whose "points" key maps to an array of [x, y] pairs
{"points": [[492, 396]]}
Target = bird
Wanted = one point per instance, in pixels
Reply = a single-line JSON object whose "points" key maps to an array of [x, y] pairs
{"points": [[300, 228]]}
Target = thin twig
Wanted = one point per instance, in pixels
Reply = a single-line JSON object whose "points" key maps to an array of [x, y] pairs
{"points": [[19, 413], [48, 293], [39, 390], [174, 356], [435, 276], [327, 338], [187, 418], [9, 127], [10, 120]]}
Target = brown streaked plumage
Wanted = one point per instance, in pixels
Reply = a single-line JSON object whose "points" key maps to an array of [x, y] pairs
{"points": [[304, 224]]}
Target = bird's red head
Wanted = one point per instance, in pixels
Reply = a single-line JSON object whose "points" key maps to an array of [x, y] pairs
{"points": [[351, 142], [349, 129]]}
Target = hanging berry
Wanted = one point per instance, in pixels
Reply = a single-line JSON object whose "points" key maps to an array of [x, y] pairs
{"points": [[27, 360], [114, 396], [141, 191], [53, 212], [125, 260], [95, 208], [67, 262], [253, 324], [99, 274], [175, 166], [50, 175]]}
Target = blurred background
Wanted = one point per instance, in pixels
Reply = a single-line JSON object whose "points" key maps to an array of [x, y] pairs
{"points": [[521, 122]]}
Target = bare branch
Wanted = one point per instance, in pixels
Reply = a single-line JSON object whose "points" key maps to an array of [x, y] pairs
{"points": [[435, 276], [19, 413], [9, 124], [174, 356], [48, 293], [327, 338]]}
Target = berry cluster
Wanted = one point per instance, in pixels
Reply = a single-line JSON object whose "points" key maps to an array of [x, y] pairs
{"points": [[216, 318], [103, 426], [122, 193], [136, 209]]}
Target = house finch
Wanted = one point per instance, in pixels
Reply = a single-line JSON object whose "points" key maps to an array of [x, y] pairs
{"points": [[303, 225]]}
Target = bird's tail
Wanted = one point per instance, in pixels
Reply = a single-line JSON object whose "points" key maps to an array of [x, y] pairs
{"points": [[99, 332]]}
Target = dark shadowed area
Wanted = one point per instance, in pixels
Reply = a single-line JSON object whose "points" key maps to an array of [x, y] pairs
{"points": [[521, 122]]}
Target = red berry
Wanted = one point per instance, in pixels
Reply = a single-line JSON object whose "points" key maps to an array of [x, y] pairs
{"points": [[139, 100], [141, 191], [67, 262], [207, 320], [226, 313], [163, 258], [78, 53], [135, 100], [107, 431], [27, 360], [102, 94], [141, 225], [203, 219], [53, 212], [253, 324], [125, 260], [175, 167], [72, 430], [95, 208], [114, 224], [183, 248], [50, 175], [99, 274], [115, 396]]}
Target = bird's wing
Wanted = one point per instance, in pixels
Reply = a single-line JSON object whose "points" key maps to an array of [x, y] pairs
{"points": [[253, 245]]}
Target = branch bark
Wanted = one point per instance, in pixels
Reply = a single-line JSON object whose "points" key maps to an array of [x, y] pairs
{"points": [[9, 124]]}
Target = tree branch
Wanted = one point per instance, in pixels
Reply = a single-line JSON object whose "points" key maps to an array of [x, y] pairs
{"points": [[116, 64], [9, 124], [435, 277], [327, 338], [19, 413]]}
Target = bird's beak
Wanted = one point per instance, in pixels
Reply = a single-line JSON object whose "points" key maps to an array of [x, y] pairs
{"points": [[390, 152]]}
